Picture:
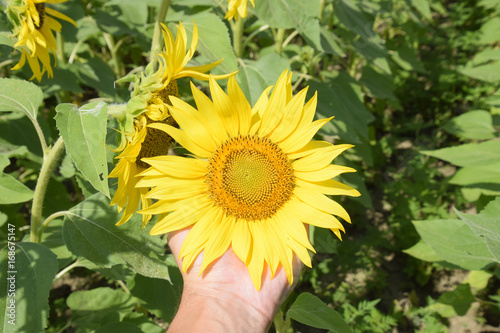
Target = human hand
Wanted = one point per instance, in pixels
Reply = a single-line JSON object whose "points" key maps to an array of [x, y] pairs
{"points": [[223, 298]]}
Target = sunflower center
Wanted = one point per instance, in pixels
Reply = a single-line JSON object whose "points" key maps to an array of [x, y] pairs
{"points": [[40, 8], [170, 90], [157, 142], [250, 177]]}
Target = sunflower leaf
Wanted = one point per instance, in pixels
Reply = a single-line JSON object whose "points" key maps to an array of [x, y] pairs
{"points": [[485, 225], [213, 43], [455, 242], [286, 14], [89, 231], [19, 95], [310, 310], [13, 191], [26, 284], [84, 133]]}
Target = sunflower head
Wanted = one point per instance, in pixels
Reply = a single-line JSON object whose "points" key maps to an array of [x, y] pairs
{"points": [[34, 23], [148, 105], [257, 179]]}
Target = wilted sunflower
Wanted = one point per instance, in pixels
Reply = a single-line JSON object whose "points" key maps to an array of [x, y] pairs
{"points": [[34, 26], [255, 181], [148, 104], [237, 9]]}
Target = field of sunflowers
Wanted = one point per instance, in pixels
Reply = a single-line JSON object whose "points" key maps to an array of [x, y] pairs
{"points": [[341, 156]]}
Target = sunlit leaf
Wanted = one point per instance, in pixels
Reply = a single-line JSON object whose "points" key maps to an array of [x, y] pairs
{"points": [[89, 231], [486, 225], [28, 270], [19, 95], [214, 43], [310, 310], [472, 154], [13, 191], [84, 134], [476, 124], [286, 13], [455, 242]]}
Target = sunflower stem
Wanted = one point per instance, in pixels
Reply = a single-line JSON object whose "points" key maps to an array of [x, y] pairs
{"points": [[282, 325], [237, 28], [48, 166], [157, 35], [278, 40], [117, 64], [60, 49], [45, 223]]}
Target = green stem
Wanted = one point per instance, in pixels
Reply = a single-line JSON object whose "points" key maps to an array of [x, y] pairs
{"points": [[237, 28], [253, 34], [68, 268], [60, 49], [278, 41], [41, 137], [157, 35], [117, 64], [48, 166], [281, 325], [45, 223]]}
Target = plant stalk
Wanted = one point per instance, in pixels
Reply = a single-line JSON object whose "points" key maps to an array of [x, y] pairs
{"points": [[237, 27], [48, 166], [157, 35], [278, 41]]}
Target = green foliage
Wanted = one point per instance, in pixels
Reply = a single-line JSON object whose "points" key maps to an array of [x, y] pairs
{"points": [[414, 85]]}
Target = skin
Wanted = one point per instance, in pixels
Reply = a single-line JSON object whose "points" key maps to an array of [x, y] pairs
{"points": [[224, 298]]}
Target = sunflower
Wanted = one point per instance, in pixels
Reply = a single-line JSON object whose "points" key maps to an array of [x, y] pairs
{"points": [[237, 9], [255, 182], [34, 25], [148, 105]]}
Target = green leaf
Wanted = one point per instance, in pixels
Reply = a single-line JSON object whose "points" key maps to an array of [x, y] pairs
{"points": [[330, 42], [159, 296], [423, 251], [25, 285], [84, 134], [472, 154], [97, 74], [52, 239], [477, 175], [214, 43], [255, 76], [378, 84], [89, 231], [349, 14], [455, 242], [423, 8], [407, 58], [13, 191], [486, 225], [18, 95], [341, 97], [144, 323], [92, 309], [103, 299], [478, 280], [310, 310], [454, 303], [488, 73], [477, 124], [119, 327], [6, 39], [286, 14], [489, 31]]}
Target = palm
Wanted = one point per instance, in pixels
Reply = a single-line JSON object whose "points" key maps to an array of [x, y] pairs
{"points": [[228, 277]]}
